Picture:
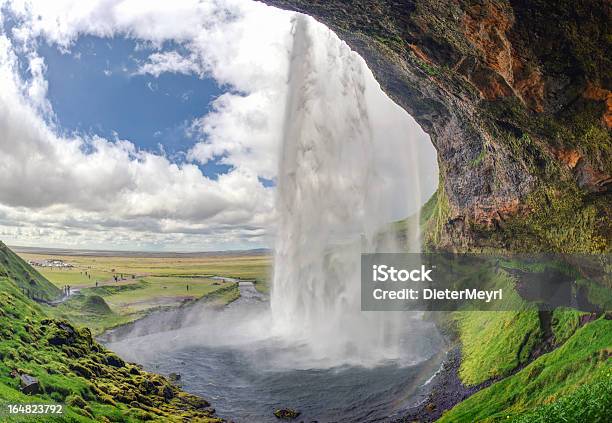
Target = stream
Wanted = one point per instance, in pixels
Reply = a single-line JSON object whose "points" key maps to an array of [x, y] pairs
{"points": [[224, 356]]}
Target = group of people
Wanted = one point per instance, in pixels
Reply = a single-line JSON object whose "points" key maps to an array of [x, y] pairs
{"points": [[67, 289]]}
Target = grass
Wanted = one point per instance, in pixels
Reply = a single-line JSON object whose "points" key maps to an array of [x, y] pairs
{"points": [[248, 267], [74, 277], [565, 321], [107, 306], [485, 353], [584, 360], [434, 216], [148, 284], [25, 277], [153, 291], [90, 311], [72, 368], [495, 344], [589, 403]]}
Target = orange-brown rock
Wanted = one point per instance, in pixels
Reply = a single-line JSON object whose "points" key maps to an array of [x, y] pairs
{"points": [[486, 27], [568, 157], [596, 93]]}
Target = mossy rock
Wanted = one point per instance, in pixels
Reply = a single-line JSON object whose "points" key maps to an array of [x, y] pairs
{"points": [[286, 413], [95, 304], [76, 401], [114, 360]]}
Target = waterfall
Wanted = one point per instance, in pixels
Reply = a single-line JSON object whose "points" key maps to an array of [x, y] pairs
{"points": [[331, 206]]}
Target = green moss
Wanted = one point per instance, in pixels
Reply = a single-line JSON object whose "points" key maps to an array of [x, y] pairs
{"points": [[561, 219], [479, 158], [394, 42], [434, 216], [578, 362], [586, 133], [430, 70]]}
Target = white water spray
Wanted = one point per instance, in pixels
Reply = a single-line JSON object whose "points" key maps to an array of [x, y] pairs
{"points": [[331, 207]]}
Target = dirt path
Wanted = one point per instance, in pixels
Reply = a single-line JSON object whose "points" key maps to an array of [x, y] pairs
{"points": [[111, 281]]}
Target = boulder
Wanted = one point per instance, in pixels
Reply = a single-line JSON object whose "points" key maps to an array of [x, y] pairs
{"points": [[29, 384], [114, 360], [286, 414]]}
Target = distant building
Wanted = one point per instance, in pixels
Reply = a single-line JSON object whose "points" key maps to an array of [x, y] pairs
{"points": [[50, 263]]}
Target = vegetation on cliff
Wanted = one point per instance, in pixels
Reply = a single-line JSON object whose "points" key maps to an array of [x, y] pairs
{"points": [[71, 367], [571, 383]]}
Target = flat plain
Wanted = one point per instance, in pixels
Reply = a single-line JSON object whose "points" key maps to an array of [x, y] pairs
{"points": [[109, 289]]}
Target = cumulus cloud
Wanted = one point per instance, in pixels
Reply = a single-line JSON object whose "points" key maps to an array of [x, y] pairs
{"points": [[97, 185], [170, 61]]}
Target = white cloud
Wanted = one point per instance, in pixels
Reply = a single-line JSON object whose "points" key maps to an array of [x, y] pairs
{"points": [[52, 187], [245, 128], [172, 62]]}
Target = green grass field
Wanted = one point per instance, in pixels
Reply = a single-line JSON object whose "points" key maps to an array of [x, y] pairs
{"points": [[102, 268], [145, 284], [156, 291], [74, 277]]}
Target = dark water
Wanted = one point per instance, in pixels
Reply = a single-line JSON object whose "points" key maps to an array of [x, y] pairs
{"points": [[244, 384]]}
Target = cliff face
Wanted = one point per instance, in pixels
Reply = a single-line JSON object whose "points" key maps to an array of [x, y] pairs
{"points": [[516, 98]]}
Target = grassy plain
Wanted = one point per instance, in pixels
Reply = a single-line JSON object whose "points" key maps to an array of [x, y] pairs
{"points": [[251, 267], [145, 283]]}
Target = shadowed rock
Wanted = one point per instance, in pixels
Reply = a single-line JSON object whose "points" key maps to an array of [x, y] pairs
{"points": [[286, 414], [29, 384]]}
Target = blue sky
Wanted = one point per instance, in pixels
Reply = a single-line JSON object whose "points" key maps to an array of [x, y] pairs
{"points": [[146, 110]]}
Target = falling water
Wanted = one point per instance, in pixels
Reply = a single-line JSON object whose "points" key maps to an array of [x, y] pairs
{"points": [[331, 208]]}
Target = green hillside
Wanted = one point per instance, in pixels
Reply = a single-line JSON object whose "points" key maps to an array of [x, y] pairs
{"points": [[70, 366], [25, 277], [571, 383]]}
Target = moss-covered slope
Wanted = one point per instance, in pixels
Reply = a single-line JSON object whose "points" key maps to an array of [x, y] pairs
{"points": [[72, 368], [572, 383], [31, 283]]}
